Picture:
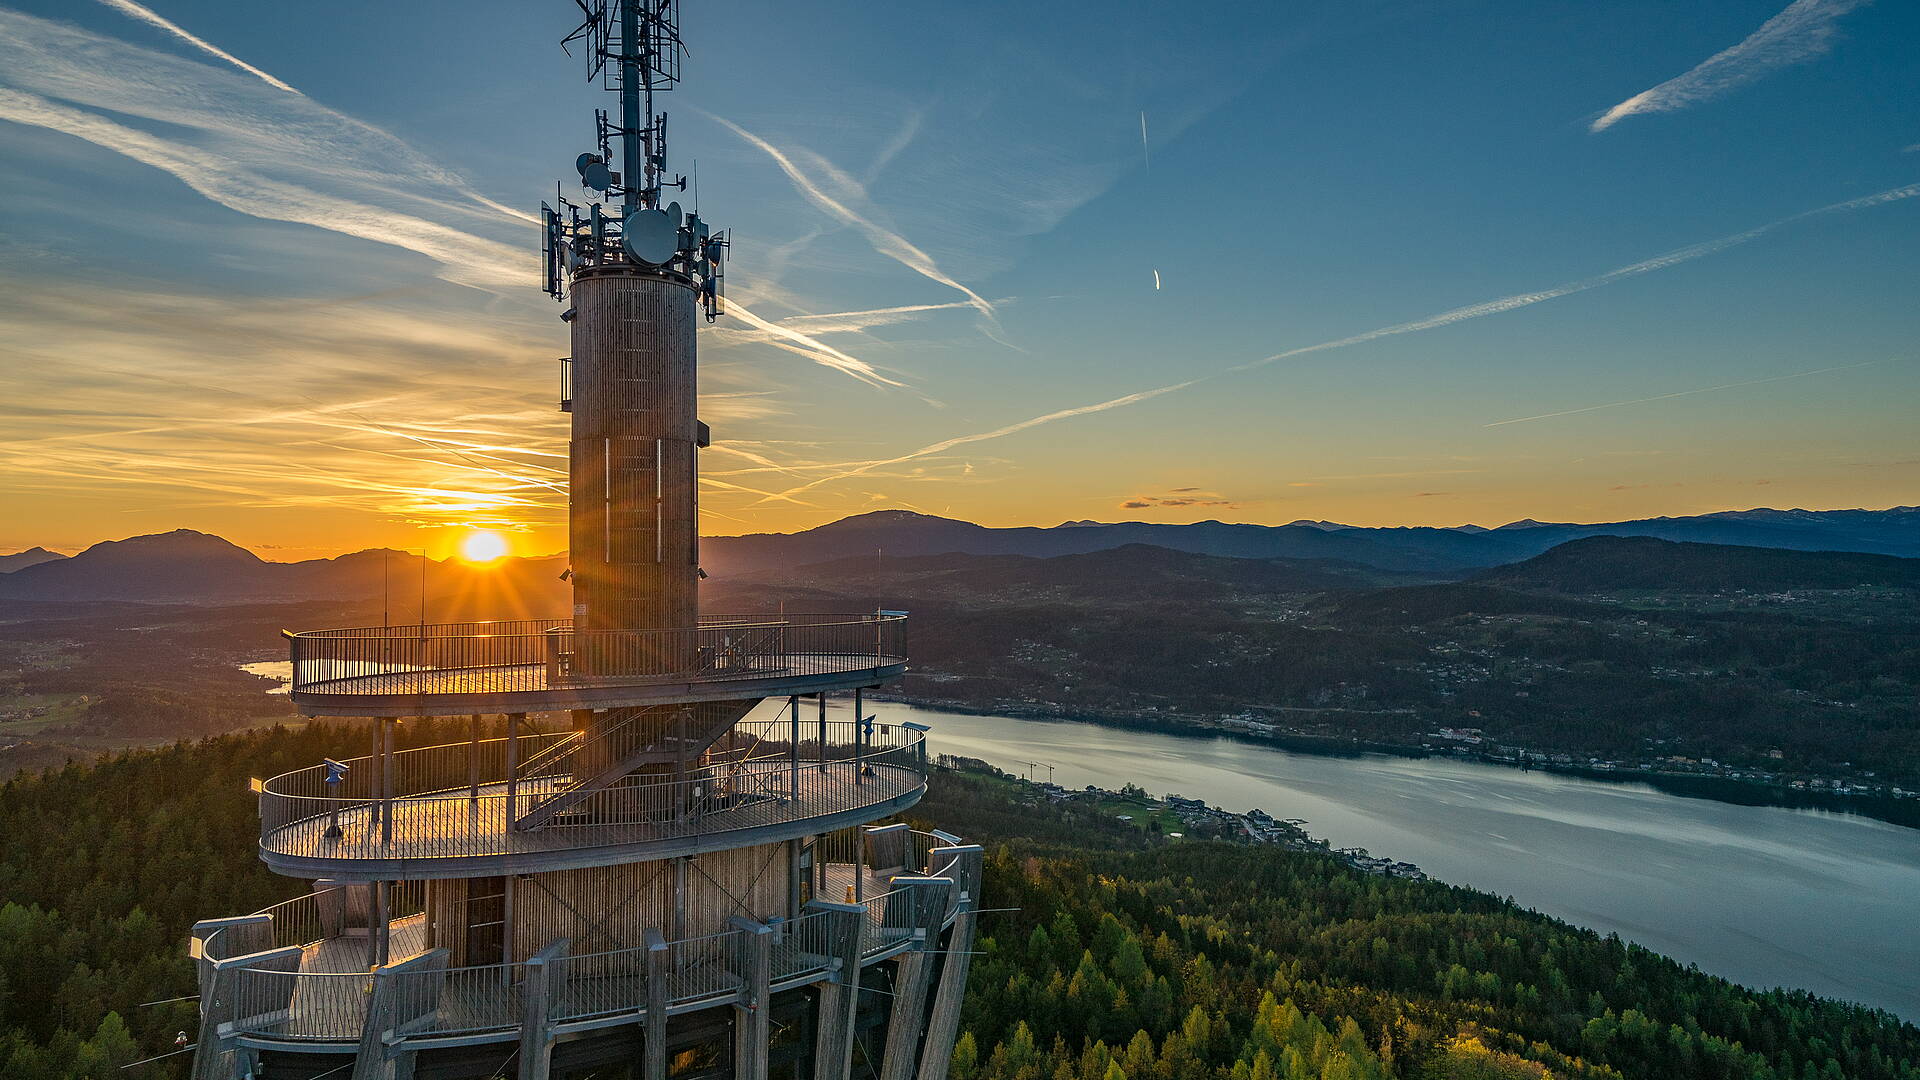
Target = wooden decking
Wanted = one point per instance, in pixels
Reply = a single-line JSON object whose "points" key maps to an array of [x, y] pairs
{"points": [[428, 833]]}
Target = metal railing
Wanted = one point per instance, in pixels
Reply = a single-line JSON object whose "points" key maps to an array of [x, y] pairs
{"points": [[323, 1006], [536, 655], [459, 800]]}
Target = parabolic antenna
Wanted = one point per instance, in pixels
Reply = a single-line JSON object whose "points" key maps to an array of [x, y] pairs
{"points": [[580, 163], [673, 213], [597, 176], [650, 237]]}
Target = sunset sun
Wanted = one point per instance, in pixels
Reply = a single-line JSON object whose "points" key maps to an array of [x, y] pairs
{"points": [[482, 546]]}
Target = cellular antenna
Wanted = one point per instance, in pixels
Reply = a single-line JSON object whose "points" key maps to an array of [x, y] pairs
{"points": [[623, 222]]}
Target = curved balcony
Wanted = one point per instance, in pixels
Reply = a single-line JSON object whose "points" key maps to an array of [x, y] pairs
{"points": [[495, 807], [291, 978], [533, 665]]}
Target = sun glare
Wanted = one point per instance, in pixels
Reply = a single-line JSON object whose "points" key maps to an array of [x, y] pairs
{"points": [[482, 546]]}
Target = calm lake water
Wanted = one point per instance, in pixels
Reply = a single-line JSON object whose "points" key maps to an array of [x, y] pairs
{"points": [[1761, 895]]}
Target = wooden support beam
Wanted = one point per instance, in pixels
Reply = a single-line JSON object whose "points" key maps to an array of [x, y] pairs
{"points": [[405, 1000], [905, 1025], [751, 1029], [653, 1048], [840, 998], [545, 981]]}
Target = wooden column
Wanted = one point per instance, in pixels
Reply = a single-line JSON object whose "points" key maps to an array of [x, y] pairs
{"points": [[653, 1049], [928, 897], [754, 968], [839, 999]]}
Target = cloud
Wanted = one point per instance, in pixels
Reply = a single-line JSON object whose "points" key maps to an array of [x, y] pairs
{"points": [[1681, 393], [812, 348], [144, 15], [1802, 32], [254, 149], [883, 240], [1179, 497]]}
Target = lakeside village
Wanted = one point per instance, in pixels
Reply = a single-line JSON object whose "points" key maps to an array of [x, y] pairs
{"points": [[1133, 806]]}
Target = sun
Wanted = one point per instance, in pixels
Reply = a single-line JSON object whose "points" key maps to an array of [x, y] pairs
{"points": [[482, 546]]}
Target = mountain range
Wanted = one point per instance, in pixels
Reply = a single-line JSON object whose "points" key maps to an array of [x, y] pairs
{"points": [[188, 566]]}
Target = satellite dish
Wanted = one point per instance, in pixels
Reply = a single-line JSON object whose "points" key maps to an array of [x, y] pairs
{"points": [[673, 213], [580, 163], [650, 237], [597, 176], [569, 257]]}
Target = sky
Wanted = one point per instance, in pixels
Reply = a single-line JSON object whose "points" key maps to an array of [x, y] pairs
{"points": [[271, 271]]}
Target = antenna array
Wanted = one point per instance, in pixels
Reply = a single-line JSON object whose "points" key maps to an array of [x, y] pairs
{"points": [[633, 48]]}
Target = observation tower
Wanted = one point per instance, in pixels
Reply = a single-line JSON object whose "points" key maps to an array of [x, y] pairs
{"points": [[616, 872]]}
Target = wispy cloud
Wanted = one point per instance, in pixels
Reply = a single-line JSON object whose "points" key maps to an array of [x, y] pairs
{"points": [[146, 15], [812, 348], [1682, 393], [883, 240], [1802, 32], [242, 142]]}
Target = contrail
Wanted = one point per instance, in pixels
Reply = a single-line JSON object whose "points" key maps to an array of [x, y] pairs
{"points": [[1801, 32], [885, 241], [1681, 393], [814, 349], [128, 7], [1445, 318], [1156, 281], [1145, 153]]}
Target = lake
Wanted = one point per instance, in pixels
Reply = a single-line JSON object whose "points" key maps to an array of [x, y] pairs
{"points": [[1764, 896]]}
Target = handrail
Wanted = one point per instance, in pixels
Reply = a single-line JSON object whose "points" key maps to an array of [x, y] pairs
{"points": [[538, 655], [438, 811]]}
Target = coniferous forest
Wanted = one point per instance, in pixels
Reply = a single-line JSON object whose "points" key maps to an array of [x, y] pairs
{"points": [[1110, 954]]}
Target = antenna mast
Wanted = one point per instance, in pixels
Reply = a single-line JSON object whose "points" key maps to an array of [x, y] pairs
{"points": [[632, 48]]}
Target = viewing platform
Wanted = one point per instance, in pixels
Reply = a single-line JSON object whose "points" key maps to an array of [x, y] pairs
{"points": [[301, 975], [458, 810], [532, 665]]}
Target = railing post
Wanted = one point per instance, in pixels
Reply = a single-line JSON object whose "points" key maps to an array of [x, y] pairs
{"points": [[386, 778], [793, 751], [473, 758], [513, 769], [859, 738], [233, 1003], [821, 750]]}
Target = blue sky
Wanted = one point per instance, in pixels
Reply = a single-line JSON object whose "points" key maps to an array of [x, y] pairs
{"points": [[292, 302]]}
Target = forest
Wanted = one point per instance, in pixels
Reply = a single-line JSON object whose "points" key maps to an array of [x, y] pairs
{"points": [[1110, 954]]}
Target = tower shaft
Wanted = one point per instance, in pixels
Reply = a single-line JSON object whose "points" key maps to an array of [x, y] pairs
{"points": [[635, 506]]}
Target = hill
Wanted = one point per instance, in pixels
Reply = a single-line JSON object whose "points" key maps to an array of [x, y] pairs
{"points": [[20, 560], [1617, 563]]}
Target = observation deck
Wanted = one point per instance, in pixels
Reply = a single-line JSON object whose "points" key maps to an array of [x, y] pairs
{"points": [[454, 669], [299, 976], [475, 809]]}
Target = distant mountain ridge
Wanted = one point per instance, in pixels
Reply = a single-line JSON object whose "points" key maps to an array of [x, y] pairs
{"points": [[188, 566], [1615, 563], [1459, 550]]}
